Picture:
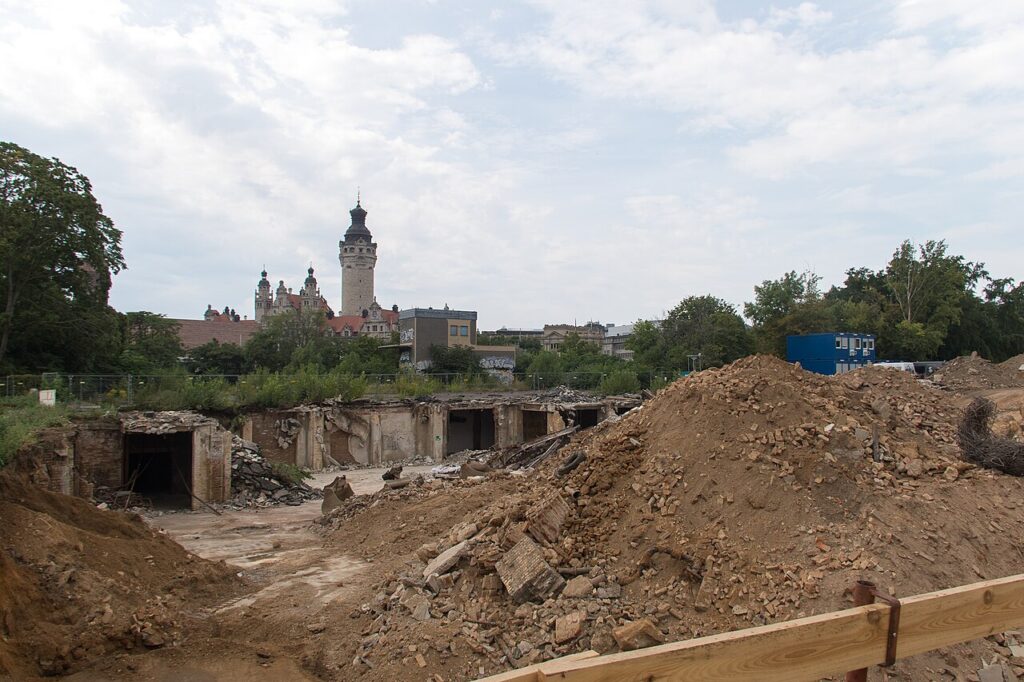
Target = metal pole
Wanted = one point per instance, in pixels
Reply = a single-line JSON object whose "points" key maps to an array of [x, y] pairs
{"points": [[863, 594]]}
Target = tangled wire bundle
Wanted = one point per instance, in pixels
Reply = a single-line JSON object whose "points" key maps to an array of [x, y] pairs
{"points": [[979, 445]]}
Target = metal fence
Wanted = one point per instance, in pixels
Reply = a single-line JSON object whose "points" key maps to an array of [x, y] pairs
{"points": [[118, 390]]}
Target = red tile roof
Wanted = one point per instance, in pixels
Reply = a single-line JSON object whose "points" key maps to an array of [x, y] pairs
{"points": [[356, 322], [295, 301], [195, 333]]}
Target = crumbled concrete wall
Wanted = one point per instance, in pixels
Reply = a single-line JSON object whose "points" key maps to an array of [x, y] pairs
{"points": [[266, 427], [49, 460], [99, 453]]}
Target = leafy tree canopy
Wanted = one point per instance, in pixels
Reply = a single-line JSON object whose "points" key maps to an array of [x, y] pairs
{"points": [[57, 253]]}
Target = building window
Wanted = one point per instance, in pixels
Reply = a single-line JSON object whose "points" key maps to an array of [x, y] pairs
{"points": [[846, 342], [856, 344], [838, 343], [464, 330], [454, 331]]}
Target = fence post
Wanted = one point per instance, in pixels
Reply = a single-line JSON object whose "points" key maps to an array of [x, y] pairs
{"points": [[863, 594], [130, 390]]}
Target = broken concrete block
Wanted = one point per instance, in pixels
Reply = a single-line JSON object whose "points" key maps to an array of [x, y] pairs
{"points": [[991, 673], [472, 468], [444, 561], [637, 635], [330, 502], [569, 626], [544, 522], [525, 573], [580, 586], [335, 492]]}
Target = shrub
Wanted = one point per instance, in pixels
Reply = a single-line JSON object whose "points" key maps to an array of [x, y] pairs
{"points": [[620, 381]]}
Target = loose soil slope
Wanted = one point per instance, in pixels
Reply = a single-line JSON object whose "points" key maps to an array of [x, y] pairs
{"points": [[77, 583], [750, 494], [973, 373]]}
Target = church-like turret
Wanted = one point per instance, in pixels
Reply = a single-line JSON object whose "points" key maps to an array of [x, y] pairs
{"points": [[264, 299], [310, 294], [357, 253]]}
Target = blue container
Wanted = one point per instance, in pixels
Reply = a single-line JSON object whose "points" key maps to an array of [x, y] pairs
{"points": [[831, 352]]}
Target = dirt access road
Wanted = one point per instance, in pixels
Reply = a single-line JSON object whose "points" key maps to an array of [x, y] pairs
{"points": [[296, 580]]}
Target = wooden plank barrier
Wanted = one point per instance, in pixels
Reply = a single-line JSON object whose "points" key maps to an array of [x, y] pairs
{"points": [[807, 648]]}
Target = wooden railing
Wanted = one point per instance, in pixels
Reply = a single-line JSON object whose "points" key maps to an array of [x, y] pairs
{"points": [[808, 648]]}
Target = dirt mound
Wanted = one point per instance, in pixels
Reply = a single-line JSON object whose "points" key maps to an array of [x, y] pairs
{"points": [[973, 373], [77, 583], [741, 496]]}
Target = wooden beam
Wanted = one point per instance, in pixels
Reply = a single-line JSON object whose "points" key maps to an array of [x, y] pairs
{"points": [[959, 614], [808, 648], [530, 673]]}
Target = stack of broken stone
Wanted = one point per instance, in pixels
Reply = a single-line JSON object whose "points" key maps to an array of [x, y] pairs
{"points": [[254, 483]]}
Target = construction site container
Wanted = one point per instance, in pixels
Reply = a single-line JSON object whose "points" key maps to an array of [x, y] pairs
{"points": [[831, 352]]}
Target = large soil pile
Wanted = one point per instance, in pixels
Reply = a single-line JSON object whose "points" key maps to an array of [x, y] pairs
{"points": [[77, 583], [973, 373], [740, 496]]}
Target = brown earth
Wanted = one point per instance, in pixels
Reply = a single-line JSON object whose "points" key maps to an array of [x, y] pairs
{"points": [[736, 497], [746, 495], [973, 373], [77, 583]]}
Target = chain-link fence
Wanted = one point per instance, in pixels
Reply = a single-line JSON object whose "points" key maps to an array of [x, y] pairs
{"points": [[126, 390]]}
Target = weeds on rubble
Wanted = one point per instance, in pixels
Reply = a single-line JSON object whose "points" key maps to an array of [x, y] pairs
{"points": [[20, 419], [290, 473]]}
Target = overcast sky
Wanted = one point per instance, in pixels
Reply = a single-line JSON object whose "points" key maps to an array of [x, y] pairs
{"points": [[538, 162]]}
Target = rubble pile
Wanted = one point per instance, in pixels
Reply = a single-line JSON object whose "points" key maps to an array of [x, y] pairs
{"points": [[254, 483], [974, 373], [78, 584], [736, 497]]}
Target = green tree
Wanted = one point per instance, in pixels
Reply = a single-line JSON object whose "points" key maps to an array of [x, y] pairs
{"points": [[364, 355], [929, 290], [650, 348], [57, 248], [151, 343], [454, 360], [789, 305], [705, 326], [293, 338], [216, 358]]}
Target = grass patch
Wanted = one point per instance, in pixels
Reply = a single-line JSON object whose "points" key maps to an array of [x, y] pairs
{"points": [[20, 420]]}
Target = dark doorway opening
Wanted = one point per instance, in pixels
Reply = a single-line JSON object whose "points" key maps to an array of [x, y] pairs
{"points": [[535, 424], [340, 452], [587, 418], [159, 467], [622, 410], [470, 430]]}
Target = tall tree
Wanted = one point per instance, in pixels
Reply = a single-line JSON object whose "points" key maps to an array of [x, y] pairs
{"points": [[151, 343], [784, 306], [54, 240], [707, 326]]}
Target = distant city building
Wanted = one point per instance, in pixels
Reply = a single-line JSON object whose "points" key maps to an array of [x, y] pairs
{"points": [[222, 327], [515, 333], [360, 315], [555, 334], [614, 341], [420, 329]]}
